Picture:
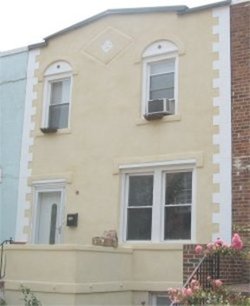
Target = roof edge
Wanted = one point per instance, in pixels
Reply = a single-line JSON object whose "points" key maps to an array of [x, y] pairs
{"points": [[13, 51], [123, 11], [205, 7], [178, 9], [37, 45]]}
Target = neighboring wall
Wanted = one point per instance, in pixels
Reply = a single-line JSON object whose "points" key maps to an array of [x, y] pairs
{"points": [[12, 97], [240, 49]]}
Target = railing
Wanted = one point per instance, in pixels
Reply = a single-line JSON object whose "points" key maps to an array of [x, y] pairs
{"points": [[2, 259], [207, 269]]}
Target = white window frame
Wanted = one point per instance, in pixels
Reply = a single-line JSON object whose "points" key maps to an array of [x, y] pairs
{"points": [[152, 55], [52, 75], [159, 171], [42, 187]]}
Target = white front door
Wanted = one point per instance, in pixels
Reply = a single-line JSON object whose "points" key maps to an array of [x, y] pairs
{"points": [[48, 225]]}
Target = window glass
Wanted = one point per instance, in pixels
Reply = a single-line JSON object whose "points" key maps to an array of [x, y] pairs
{"points": [[163, 301], [177, 222], [139, 214], [161, 82], [58, 116], [163, 66], [150, 196], [140, 190], [60, 92], [139, 223], [178, 199], [53, 218], [59, 104], [178, 188]]}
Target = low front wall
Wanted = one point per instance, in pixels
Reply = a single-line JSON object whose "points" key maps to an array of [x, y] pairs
{"points": [[90, 275]]}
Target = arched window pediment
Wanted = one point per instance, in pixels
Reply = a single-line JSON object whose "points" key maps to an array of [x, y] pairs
{"points": [[58, 68], [160, 47]]}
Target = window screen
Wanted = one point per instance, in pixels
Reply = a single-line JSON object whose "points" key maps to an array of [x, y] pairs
{"points": [[161, 79]]}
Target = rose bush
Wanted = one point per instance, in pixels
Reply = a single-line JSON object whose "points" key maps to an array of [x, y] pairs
{"points": [[219, 246], [217, 294]]}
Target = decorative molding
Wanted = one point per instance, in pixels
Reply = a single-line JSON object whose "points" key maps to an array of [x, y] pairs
{"points": [[91, 287], [58, 68], [27, 142], [159, 160], [107, 45], [160, 47], [222, 140], [64, 177]]}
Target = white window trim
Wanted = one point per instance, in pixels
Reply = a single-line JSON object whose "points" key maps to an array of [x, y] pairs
{"points": [[48, 186], [58, 71], [47, 93], [146, 74], [157, 209]]}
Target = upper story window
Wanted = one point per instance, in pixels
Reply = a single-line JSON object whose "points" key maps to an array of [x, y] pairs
{"points": [[158, 204], [159, 80], [57, 96]]}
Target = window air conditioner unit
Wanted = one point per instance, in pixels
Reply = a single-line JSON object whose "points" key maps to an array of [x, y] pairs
{"points": [[158, 108]]}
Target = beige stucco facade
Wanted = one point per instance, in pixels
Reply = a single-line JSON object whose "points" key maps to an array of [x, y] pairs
{"points": [[107, 135], [106, 123]]}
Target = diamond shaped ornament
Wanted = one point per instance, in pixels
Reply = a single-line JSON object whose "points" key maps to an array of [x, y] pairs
{"points": [[107, 45]]}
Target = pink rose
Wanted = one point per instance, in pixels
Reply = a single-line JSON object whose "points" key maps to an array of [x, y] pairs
{"points": [[218, 283], [187, 292], [237, 243], [210, 245], [198, 249], [219, 242]]}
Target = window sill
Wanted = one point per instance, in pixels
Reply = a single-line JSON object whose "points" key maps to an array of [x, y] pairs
{"points": [[165, 119], [58, 133]]}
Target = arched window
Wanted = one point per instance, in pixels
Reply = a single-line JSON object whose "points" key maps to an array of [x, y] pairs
{"points": [[57, 96], [159, 80]]}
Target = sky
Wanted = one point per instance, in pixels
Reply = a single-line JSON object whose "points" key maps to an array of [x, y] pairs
{"points": [[25, 22]]}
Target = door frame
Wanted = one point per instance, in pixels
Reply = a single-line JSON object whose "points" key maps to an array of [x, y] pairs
{"points": [[48, 186]]}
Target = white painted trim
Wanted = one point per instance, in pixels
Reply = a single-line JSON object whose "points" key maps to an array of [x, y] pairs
{"points": [[157, 216], [223, 120], [146, 73], [47, 91], [27, 142], [173, 163], [58, 68], [160, 47]]}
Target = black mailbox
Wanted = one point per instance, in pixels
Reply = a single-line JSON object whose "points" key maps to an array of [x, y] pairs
{"points": [[72, 220]]}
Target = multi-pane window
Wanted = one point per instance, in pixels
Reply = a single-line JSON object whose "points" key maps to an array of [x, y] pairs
{"points": [[159, 205], [160, 80], [161, 84], [59, 104]]}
